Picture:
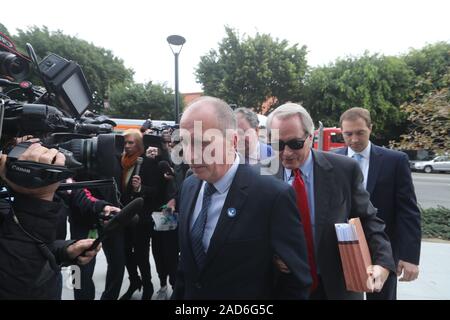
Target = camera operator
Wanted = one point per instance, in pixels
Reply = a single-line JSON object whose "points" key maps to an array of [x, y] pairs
{"points": [[31, 257]]}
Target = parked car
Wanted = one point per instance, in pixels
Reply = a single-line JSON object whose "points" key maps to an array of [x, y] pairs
{"points": [[440, 163]]}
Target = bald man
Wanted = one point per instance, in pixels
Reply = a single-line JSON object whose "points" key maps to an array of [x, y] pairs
{"points": [[232, 220]]}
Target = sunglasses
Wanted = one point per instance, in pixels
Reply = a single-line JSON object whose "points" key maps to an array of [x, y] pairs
{"points": [[294, 144]]}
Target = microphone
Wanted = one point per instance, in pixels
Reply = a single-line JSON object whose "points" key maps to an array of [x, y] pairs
{"points": [[120, 220], [138, 165], [165, 167]]}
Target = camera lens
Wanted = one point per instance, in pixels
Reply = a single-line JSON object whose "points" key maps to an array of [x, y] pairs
{"points": [[13, 66]]}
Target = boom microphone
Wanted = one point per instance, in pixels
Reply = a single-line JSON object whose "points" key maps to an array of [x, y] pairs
{"points": [[120, 220]]}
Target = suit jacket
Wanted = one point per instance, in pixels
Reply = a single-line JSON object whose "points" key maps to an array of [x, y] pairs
{"points": [[339, 195], [239, 262], [391, 191]]}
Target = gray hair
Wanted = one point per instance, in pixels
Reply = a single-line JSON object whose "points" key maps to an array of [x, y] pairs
{"points": [[289, 110], [225, 115], [249, 115]]}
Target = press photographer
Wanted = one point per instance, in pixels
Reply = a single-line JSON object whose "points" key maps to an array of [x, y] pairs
{"points": [[30, 253], [31, 257]]}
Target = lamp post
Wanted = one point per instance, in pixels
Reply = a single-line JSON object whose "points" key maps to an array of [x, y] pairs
{"points": [[176, 44]]}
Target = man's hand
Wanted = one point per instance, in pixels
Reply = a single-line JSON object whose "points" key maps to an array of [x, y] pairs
{"points": [[77, 248], [36, 153], [410, 271], [109, 211], [171, 204], [136, 183], [377, 277], [281, 266]]}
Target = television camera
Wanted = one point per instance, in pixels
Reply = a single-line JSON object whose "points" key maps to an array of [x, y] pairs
{"points": [[54, 114]]}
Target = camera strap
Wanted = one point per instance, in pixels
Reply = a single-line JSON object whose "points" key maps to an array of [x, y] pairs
{"points": [[33, 175]]}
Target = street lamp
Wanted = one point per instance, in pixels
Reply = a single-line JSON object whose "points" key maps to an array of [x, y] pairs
{"points": [[176, 44]]}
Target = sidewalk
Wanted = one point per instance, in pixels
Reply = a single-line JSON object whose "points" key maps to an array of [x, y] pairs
{"points": [[433, 282], [434, 277]]}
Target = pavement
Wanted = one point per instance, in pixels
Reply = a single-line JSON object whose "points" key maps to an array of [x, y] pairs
{"points": [[433, 282]]}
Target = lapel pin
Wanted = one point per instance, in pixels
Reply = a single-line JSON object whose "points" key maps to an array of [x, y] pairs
{"points": [[231, 212]]}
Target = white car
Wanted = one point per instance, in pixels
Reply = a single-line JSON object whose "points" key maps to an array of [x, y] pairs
{"points": [[441, 163]]}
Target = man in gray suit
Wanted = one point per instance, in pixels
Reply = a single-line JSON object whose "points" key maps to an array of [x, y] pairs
{"points": [[331, 192]]}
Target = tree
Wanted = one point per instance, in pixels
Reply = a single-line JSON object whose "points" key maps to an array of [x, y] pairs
{"points": [[430, 64], [102, 69], [249, 71], [4, 30], [142, 101], [429, 117], [375, 82]]}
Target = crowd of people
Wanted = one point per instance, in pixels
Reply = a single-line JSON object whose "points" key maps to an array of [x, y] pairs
{"points": [[254, 220]]}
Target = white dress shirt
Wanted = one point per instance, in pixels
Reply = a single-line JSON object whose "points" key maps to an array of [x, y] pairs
{"points": [[365, 161], [217, 202]]}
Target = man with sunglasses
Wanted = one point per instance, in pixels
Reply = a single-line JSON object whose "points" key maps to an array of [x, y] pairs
{"points": [[329, 190], [387, 178]]}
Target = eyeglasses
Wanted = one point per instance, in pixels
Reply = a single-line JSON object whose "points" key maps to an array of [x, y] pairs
{"points": [[294, 144]]}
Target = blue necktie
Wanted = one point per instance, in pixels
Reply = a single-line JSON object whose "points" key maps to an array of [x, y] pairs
{"points": [[358, 157], [199, 226]]}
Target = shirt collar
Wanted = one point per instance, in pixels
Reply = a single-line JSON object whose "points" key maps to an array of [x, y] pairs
{"points": [[306, 168], [224, 183], [365, 153], [255, 155]]}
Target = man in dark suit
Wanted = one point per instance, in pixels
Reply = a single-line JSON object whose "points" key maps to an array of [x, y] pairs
{"points": [[387, 178], [249, 146], [333, 191], [232, 220]]}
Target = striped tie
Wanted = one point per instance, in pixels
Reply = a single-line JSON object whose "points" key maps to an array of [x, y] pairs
{"points": [[199, 226]]}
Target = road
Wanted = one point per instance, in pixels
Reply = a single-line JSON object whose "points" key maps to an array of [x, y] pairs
{"points": [[432, 189]]}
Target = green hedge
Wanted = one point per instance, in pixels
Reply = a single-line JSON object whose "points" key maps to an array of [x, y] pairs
{"points": [[436, 223]]}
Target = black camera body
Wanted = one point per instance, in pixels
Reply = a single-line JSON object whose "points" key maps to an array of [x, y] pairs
{"points": [[13, 64], [54, 116], [66, 79]]}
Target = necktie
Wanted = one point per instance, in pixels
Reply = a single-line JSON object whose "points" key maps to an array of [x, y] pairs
{"points": [[358, 157], [199, 226], [302, 205]]}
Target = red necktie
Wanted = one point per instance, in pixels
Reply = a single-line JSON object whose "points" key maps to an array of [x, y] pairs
{"points": [[302, 205]]}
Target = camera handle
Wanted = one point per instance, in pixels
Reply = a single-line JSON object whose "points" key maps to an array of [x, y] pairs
{"points": [[86, 184]]}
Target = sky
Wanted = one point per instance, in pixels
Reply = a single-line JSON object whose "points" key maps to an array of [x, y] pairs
{"points": [[136, 30]]}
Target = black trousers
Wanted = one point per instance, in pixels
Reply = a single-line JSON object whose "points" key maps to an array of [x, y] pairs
{"points": [[165, 251], [389, 291], [114, 250], [137, 250], [87, 286]]}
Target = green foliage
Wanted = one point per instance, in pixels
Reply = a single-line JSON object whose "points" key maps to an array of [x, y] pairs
{"points": [[436, 223], [142, 101], [375, 82], [429, 119], [247, 71], [4, 30], [102, 69], [430, 64]]}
